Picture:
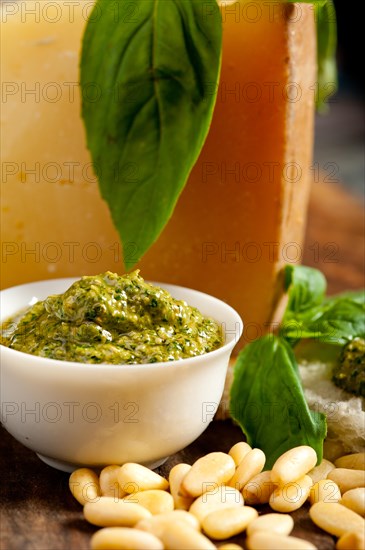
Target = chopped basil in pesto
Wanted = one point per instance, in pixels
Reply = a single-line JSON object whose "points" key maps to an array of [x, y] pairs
{"points": [[112, 319]]}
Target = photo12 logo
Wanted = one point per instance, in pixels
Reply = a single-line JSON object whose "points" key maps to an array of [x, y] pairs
{"points": [[69, 411], [51, 12]]}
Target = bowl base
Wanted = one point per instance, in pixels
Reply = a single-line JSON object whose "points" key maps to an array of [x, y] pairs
{"points": [[58, 464], [69, 467]]}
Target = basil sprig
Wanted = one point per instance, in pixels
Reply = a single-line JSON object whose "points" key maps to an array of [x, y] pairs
{"points": [[149, 79], [334, 320], [267, 399]]}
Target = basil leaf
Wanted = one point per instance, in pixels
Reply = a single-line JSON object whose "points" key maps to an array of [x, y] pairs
{"points": [[340, 319], [306, 288], [326, 24], [155, 73], [356, 296], [326, 51], [268, 403]]}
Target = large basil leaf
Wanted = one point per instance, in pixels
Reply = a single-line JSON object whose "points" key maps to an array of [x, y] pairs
{"points": [[149, 80], [268, 403]]}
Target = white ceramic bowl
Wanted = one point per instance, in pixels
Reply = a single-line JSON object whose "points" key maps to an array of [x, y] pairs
{"points": [[74, 414]]}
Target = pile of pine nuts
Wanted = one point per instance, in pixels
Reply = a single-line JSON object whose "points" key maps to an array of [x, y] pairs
{"points": [[214, 498]]}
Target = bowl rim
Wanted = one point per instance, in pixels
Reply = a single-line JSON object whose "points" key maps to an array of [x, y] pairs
{"points": [[127, 367]]}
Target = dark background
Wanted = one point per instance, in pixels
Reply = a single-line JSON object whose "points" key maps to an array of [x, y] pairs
{"points": [[350, 45], [340, 132]]}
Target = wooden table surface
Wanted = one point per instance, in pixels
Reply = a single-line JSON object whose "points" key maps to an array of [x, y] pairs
{"points": [[37, 509]]}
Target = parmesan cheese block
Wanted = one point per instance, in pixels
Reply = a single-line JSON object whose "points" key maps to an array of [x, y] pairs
{"points": [[345, 413], [242, 213]]}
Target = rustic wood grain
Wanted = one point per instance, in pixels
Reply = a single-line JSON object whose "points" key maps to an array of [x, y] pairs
{"points": [[39, 513], [334, 240], [37, 509]]}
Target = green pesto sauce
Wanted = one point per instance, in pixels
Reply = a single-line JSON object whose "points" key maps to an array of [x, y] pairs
{"points": [[112, 319]]}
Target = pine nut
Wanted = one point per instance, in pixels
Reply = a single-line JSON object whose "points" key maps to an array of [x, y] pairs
{"points": [[111, 512], [124, 538], [347, 479], [134, 478], [335, 518], [251, 465], [215, 468], [293, 464], [271, 541], [354, 461], [355, 500], [155, 500], [291, 496], [281, 524], [228, 522], [177, 474], [325, 490], [157, 524], [149, 508], [351, 541], [84, 485], [108, 480], [239, 451], [321, 471], [179, 536], [217, 498], [258, 490]]}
